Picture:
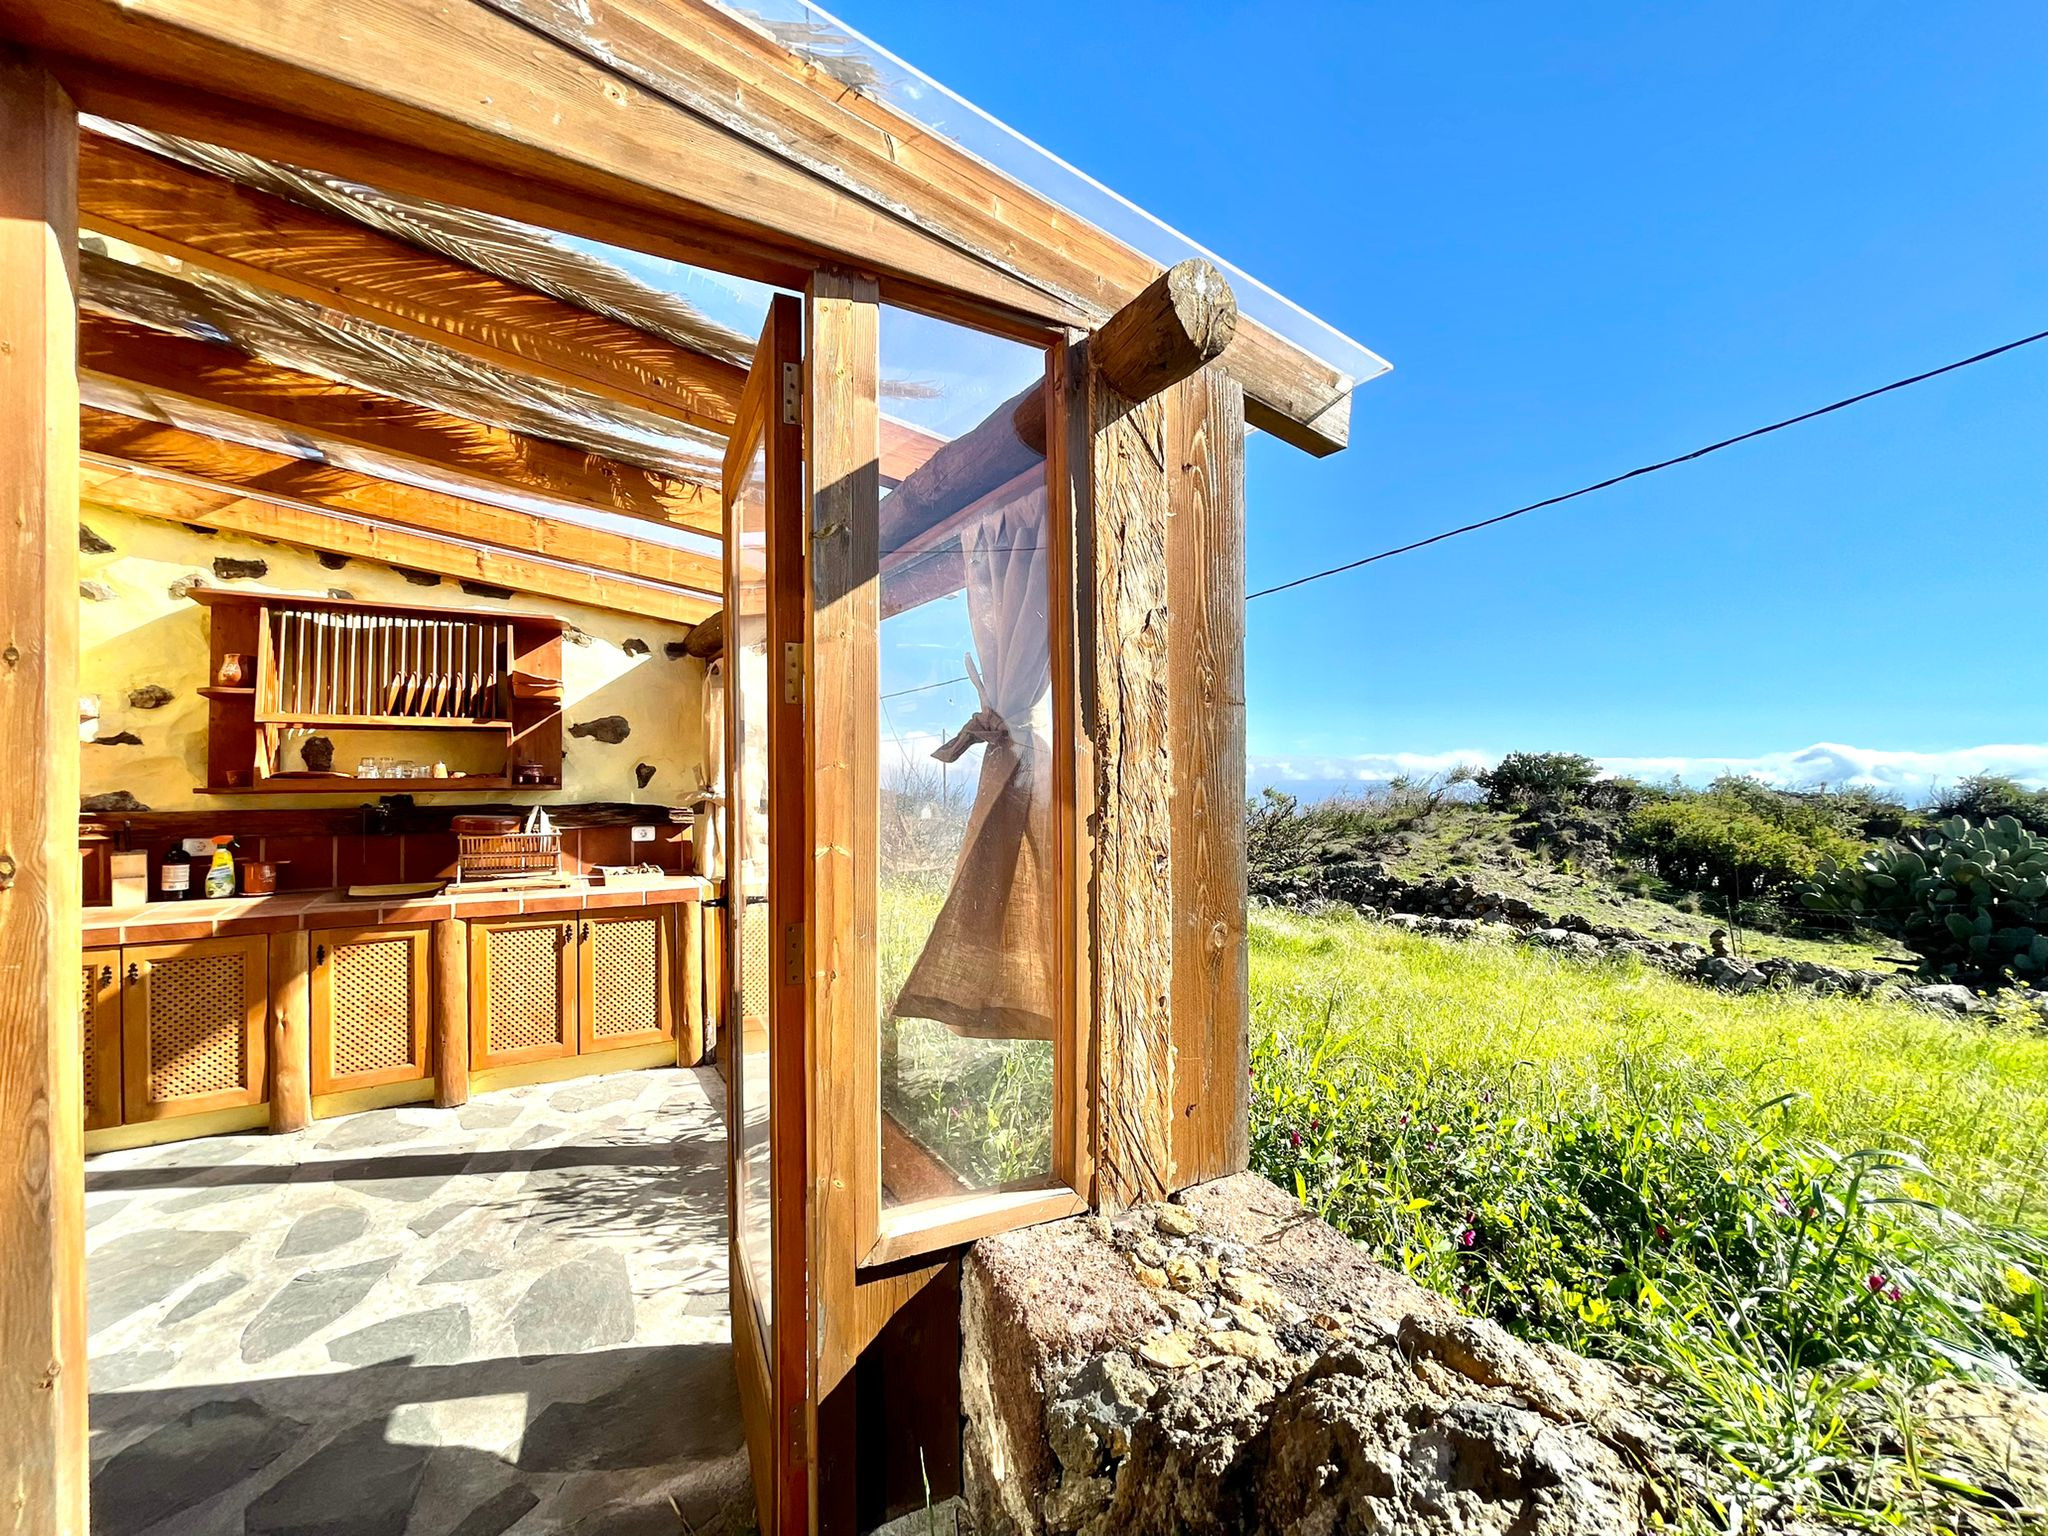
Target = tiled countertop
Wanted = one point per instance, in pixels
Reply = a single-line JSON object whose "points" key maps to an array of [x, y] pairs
{"points": [[171, 922]]}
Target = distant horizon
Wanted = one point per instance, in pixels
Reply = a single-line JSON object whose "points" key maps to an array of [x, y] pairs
{"points": [[1915, 775]]}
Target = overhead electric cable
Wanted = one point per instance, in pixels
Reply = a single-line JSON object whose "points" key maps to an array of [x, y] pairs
{"points": [[1651, 469]]}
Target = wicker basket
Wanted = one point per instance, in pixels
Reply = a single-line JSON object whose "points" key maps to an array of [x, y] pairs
{"points": [[506, 855]]}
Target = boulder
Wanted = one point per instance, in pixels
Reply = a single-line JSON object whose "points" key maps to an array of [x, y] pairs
{"points": [[1231, 1364], [1942, 997]]}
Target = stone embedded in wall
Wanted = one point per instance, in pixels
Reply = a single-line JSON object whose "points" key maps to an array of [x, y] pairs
{"points": [[485, 589], [341, 594], [118, 739], [419, 578], [229, 569], [609, 729], [150, 696], [575, 636], [676, 650], [95, 591], [634, 646], [201, 529], [183, 587], [330, 559], [112, 800], [643, 774], [90, 543]]}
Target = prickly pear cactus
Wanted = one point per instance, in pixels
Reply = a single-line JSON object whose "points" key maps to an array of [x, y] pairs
{"points": [[1970, 899]]}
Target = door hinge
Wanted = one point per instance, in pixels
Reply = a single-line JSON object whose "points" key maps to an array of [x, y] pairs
{"points": [[792, 394], [793, 954], [793, 672]]}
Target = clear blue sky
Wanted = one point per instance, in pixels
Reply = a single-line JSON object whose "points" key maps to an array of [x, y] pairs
{"points": [[1589, 236]]}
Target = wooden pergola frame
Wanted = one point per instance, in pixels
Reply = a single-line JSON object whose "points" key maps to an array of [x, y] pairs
{"points": [[658, 142]]}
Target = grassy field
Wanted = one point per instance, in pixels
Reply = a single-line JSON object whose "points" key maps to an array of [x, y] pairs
{"points": [[1796, 1210]]}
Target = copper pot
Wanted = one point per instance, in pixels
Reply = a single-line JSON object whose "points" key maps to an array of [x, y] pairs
{"points": [[259, 876]]}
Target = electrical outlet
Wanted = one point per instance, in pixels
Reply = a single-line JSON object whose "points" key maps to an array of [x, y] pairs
{"points": [[643, 834]]}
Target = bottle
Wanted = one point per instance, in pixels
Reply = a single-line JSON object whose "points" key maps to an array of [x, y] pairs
{"points": [[220, 871], [174, 874]]}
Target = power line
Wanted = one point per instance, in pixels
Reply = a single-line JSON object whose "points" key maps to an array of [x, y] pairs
{"points": [[1651, 469]]}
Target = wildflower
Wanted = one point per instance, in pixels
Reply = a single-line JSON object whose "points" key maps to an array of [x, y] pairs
{"points": [[1663, 1233], [1467, 1238], [1314, 1126], [1896, 1294], [1875, 1281], [1294, 1138]]}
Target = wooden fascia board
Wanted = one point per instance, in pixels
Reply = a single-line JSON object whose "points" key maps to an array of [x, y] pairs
{"points": [[268, 242], [176, 367], [120, 489], [236, 469], [582, 129]]}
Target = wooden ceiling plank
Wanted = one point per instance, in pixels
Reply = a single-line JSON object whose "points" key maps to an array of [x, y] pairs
{"points": [[238, 469], [145, 495], [269, 242], [178, 368], [585, 128]]}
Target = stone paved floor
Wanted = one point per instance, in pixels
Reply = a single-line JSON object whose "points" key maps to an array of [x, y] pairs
{"points": [[503, 1320]]}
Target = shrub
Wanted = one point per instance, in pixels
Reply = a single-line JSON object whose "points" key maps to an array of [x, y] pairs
{"points": [[1536, 780], [1739, 838], [1296, 854], [1970, 901], [1988, 796]]}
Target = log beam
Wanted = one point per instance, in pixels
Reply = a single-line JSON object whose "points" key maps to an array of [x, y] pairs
{"points": [[42, 1197], [451, 1013], [1179, 324], [267, 242], [146, 495], [236, 469], [291, 1032], [284, 399], [1009, 441]]}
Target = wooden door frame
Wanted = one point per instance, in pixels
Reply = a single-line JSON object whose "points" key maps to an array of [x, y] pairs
{"points": [[775, 1397]]}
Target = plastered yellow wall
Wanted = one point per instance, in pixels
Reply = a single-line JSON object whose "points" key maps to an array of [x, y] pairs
{"points": [[138, 632]]}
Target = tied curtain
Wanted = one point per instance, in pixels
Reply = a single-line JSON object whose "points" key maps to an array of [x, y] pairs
{"points": [[989, 969]]}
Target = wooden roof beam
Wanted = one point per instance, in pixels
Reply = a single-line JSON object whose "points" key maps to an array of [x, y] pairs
{"points": [[236, 469], [176, 367], [268, 242], [1181, 323], [630, 148], [148, 495]]}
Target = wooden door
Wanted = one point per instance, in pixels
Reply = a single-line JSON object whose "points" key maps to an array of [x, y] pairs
{"points": [[100, 1033], [192, 1027], [371, 1007], [765, 811], [522, 990], [623, 991]]}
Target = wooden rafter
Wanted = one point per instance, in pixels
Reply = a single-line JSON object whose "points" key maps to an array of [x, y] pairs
{"points": [[149, 495], [669, 166], [219, 377], [239, 470], [266, 242]]}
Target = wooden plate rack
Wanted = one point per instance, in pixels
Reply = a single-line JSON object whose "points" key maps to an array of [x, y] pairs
{"points": [[325, 663]]}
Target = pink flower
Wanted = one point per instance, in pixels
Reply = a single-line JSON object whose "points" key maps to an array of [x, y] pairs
{"points": [[1663, 1233], [1467, 1238], [1896, 1294], [1294, 1138], [1874, 1280]]}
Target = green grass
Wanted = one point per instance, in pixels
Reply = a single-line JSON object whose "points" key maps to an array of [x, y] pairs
{"points": [[1794, 1210]]}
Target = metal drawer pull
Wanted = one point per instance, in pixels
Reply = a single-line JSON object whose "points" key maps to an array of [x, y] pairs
{"points": [[134, 972], [106, 975], [319, 954]]}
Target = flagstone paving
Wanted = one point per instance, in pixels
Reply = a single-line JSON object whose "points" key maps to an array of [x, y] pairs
{"points": [[503, 1320]]}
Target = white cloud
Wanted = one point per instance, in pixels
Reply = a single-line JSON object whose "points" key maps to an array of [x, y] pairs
{"points": [[1912, 774]]}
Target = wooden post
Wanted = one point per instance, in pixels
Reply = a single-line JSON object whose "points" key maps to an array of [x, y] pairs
{"points": [[451, 1013], [291, 1035], [42, 1191], [1181, 322], [689, 983]]}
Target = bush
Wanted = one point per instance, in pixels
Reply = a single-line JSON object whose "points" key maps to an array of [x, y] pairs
{"points": [[1738, 838], [1970, 901], [1537, 780], [1296, 854], [1987, 796]]}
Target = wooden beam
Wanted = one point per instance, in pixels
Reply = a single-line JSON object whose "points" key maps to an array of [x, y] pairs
{"points": [[178, 368], [42, 1081], [1009, 441], [1181, 322], [770, 168], [451, 1013], [147, 495], [240, 470], [708, 638], [291, 1031], [268, 242]]}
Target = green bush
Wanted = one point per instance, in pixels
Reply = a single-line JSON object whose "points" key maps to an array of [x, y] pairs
{"points": [[1970, 901], [1988, 796], [1738, 838], [1524, 780], [1296, 854]]}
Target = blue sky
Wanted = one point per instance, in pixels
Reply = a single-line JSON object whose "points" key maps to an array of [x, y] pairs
{"points": [[1588, 237]]}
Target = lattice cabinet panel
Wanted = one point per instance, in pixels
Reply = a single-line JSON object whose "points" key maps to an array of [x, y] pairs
{"points": [[99, 1018], [371, 1007], [522, 990], [752, 980], [623, 963], [192, 1027]]}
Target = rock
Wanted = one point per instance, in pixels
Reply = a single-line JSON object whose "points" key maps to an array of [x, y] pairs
{"points": [[318, 1231], [675, 650], [200, 1297], [118, 739], [419, 578], [91, 543], [308, 1303], [183, 587], [330, 559], [584, 1304], [1089, 1418], [1942, 997], [609, 729], [94, 591], [112, 801], [228, 569], [150, 696], [139, 1269], [1989, 1436], [203, 1452], [382, 1479], [1730, 975], [643, 774], [1173, 1220], [485, 589], [574, 635], [317, 752], [634, 646], [438, 1336]]}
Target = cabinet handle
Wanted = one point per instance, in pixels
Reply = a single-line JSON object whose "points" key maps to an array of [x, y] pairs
{"points": [[586, 931], [106, 975], [134, 972], [319, 954]]}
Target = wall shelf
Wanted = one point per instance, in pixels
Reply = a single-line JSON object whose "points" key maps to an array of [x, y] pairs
{"points": [[327, 665]]}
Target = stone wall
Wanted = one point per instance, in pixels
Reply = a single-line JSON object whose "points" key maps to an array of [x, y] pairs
{"points": [[143, 658]]}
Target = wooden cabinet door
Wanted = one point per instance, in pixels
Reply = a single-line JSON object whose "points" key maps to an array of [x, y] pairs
{"points": [[522, 990], [623, 991], [192, 1027], [100, 1037], [371, 1006]]}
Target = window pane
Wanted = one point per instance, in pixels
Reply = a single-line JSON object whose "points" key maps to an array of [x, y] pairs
{"points": [[969, 936]]}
